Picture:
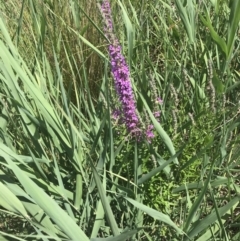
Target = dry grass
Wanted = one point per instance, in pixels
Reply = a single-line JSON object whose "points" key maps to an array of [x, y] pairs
{"points": [[59, 26]]}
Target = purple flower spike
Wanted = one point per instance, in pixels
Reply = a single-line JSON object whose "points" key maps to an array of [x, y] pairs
{"points": [[120, 72], [149, 133]]}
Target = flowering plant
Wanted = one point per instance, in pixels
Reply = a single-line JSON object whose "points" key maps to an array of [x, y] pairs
{"points": [[121, 76]]}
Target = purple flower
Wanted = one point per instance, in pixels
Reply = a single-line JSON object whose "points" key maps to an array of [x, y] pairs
{"points": [[149, 133], [120, 72], [156, 114], [159, 101], [116, 114]]}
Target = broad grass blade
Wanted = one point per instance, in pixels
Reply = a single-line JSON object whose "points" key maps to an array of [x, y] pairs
{"points": [[203, 224], [187, 14], [155, 214], [2, 237], [98, 220], [105, 203], [198, 185], [233, 25], [197, 203], [220, 221], [9, 201], [210, 232], [78, 191], [156, 170], [219, 41], [130, 32], [50, 207]]}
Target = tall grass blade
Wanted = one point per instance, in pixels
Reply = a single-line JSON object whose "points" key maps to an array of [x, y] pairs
{"points": [[197, 203], [2, 238], [98, 220], [105, 203], [166, 139], [187, 14], [202, 225], [50, 207], [219, 41], [155, 214], [234, 19], [130, 33], [156, 170], [10, 202], [78, 191], [220, 221]]}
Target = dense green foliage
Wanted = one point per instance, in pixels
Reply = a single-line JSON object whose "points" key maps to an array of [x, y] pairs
{"points": [[70, 171]]}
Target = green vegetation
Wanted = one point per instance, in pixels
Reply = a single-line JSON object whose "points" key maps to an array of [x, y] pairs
{"points": [[70, 171]]}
